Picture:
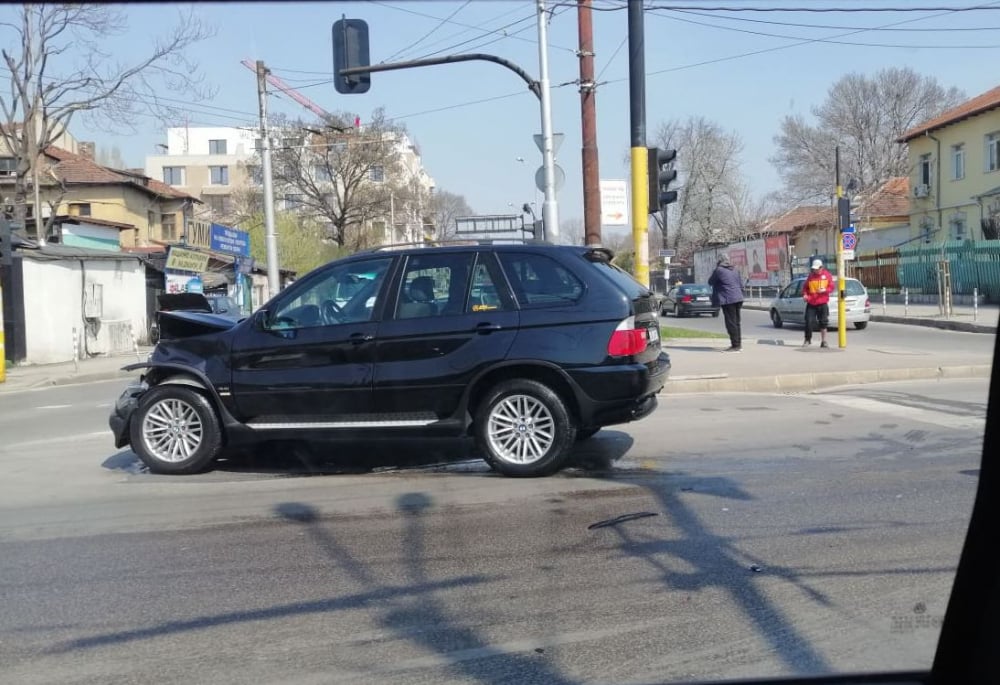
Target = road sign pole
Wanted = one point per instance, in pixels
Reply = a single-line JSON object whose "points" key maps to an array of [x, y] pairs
{"points": [[843, 207], [550, 209]]}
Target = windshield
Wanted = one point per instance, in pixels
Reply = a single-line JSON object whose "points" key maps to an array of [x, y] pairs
{"points": [[511, 376]]}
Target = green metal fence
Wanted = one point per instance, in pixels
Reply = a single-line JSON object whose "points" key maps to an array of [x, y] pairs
{"points": [[972, 264]]}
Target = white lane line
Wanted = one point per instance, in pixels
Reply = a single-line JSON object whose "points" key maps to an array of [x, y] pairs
{"points": [[943, 419], [54, 406], [6, 447]]}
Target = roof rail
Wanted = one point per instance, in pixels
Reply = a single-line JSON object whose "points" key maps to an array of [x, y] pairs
{"points": [[458, 242]]}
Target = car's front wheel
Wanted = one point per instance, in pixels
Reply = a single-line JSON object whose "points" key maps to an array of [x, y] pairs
{"points": [[861, 325], [175, 430], [524, 428], [776, 319]]}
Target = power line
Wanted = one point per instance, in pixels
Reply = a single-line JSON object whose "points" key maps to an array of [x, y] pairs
{"points": [[612, 58], [826, 40], [428, 34], [847, 10], [839, 28], [473, 40]]}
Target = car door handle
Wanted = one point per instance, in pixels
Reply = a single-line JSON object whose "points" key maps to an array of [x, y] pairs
{"points": [[486, 327], [358, 338]]}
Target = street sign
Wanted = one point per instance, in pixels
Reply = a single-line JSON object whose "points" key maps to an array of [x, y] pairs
{"points": [[560, 177], [848, 255], [849, 228], [614, 202], [850, 241], [667, 253], [229, 240], [557, 141]]}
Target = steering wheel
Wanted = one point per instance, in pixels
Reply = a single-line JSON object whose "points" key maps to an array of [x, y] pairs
{"points": [[332, 312]]}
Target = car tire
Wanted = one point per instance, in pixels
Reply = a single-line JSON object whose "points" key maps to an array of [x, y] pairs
{"points": [[776, 319], [586, 433], [527, 408], [715, 314], [175, 430], [861, 325], [677, 311]]}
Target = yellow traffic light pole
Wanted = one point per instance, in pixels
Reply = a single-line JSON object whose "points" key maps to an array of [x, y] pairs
{"points": [[841, 285], [640, 213]]}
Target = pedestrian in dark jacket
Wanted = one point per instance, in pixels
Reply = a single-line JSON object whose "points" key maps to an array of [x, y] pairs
{"points": [[727, 293]]}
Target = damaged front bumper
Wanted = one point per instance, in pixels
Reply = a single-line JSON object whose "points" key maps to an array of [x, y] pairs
{"points": [[121, 414]]}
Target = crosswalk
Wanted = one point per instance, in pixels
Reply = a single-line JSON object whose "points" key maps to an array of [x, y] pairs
{"points": [[944, 419]]}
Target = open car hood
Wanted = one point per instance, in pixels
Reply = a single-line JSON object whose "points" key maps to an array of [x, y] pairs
{"points": [[184, 324]]}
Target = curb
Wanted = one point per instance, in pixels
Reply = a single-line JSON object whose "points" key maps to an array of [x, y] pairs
{"points": [[64, 380], [945, 324], [805, 382]]}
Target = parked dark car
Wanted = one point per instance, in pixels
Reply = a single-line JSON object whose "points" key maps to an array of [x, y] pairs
{"points": [[528, 347], [688, 299]]}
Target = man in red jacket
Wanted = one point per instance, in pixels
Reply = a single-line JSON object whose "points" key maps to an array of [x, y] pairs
{"points": [[816, 292]]}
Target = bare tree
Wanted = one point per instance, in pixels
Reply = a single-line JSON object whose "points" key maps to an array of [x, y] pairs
{"points": [[347, 177], [445, 207], [571, 231], [711, 189], [58, 66], [864, 115]]}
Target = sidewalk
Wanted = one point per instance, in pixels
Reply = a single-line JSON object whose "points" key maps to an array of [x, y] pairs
{"points": [[32, 376]]}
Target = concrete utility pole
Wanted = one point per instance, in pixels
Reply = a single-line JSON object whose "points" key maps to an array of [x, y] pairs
{"points": [[550, 208], [270, 235], [639, 157], [588, 111]]}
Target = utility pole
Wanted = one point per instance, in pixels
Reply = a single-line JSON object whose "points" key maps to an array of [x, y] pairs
{"points": [[588, 107], [843, 218], [639, 156], [270, 236], [550, 208]]}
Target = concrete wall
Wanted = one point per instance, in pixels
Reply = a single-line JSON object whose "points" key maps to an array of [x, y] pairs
{"points": [[55, 291]]}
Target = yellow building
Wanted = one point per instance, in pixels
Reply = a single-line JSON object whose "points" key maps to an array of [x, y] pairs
{"points": [[955, 172], [107, 206]]}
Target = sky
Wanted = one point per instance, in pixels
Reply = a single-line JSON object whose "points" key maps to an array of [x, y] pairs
{"points": [[474, 121]]}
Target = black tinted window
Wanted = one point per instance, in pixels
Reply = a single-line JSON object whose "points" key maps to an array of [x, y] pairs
{"points": [[434, 285], [540, 280], [622, 279], [696, 290]]}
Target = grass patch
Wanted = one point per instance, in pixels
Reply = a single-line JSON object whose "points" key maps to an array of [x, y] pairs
{"points": [[677, 332]]}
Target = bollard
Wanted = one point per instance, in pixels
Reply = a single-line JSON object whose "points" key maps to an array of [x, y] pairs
{"points": [[76, 352], [883, 301], [135, 342], [906, 301], [975, 304]]}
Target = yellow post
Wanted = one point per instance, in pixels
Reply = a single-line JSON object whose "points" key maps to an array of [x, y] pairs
{"points": [[640, 213], [3, 350], [841, 287]]}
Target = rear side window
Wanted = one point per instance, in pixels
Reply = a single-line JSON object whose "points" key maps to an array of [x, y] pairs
{"points": [[853, 288], [622, 279], [539, 280]]}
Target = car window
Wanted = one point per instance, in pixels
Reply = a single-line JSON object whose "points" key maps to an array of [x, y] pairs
{"points": [[697, 290], [434, 285], [853, 287], [484, 295], [539, 280], [622, 279], [345, 293]]}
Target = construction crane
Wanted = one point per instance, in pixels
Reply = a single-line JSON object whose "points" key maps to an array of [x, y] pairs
{"points": [[290, 92]]}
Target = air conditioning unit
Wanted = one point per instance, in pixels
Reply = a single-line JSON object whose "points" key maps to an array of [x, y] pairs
{"points": [[921, 190]]}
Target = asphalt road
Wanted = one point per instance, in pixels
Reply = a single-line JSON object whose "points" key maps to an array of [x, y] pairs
{"points": [[798, 533], [757, 324]]}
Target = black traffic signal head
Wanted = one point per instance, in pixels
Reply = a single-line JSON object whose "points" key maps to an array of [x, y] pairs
{"points": [[661, 175], [350, 50]]}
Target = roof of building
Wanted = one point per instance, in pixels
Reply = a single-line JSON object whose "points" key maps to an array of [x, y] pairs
{"points": [[801, 217], [74, 169], [892, 198], [989, 100]]}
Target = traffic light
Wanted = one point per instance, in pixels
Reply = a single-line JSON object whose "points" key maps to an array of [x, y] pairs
{"points": [[350, 50], [661, 175]]}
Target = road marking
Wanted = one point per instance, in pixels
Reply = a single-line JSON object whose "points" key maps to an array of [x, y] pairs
{"points": [[6, 447], [54, 406], [943, 419]]}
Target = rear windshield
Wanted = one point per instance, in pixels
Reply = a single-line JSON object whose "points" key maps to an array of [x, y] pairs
{"points": [[852, 287], [622, 279], [696, 290]]}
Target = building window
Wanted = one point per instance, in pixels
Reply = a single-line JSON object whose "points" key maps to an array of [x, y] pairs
{"points": [[957, 225], [8, 166], [80, 209], [322, 173], [993, 151], [219, 204], [291, 143], [173, 175], [958, 162], [168, 227], [376, 174], [220, 175], [293, 201], [925, 170], [217, 147], [255, 174]]}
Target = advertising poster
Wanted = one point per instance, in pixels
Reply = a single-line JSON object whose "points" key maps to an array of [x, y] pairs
{"points": [[184, 283], [756, 262], [738, 257]]}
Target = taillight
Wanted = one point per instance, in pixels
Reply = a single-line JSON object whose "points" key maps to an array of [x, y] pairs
{"points": [[686, 298], [627, 340], [868, 303]]}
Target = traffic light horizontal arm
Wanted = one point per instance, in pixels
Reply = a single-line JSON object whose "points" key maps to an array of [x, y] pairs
{"points": [[533, 85]]}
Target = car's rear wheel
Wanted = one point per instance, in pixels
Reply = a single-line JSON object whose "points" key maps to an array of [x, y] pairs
{"points": [[175, 430], [677, 311], [524, 428], [776, 319], [861, 325]]}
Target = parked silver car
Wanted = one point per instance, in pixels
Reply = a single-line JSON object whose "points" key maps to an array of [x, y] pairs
{"points": [[789, 307]]}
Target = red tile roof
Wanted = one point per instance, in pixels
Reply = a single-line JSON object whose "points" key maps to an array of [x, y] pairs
{"points": [[891, 199], [72, 168], [801, 217], [981, 103]]}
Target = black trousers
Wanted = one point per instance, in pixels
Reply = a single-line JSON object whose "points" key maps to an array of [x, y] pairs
{"points": [[817, 318], [731, 315]]}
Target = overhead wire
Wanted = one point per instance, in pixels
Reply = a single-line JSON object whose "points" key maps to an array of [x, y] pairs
{"points": [[834, 27], [441, 23], [847, 10]]}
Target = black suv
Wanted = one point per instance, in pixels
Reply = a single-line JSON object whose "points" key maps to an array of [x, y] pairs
{"points": [[528, 347]]}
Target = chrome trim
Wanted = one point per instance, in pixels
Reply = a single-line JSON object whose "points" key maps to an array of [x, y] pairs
{"points": [[341, 424]]}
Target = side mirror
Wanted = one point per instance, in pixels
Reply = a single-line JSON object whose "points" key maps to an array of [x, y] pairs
{"points": [[261, 319]]}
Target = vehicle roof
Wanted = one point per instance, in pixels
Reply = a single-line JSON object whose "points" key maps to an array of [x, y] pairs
{"points": [[497, 245]]}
